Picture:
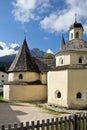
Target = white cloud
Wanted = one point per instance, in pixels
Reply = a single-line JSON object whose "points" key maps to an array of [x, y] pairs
{"points": [[50, 51], [63, 18], [25, 10], [22, 10], [13, 45], [53, 21], [7, 50], [3, 44]]}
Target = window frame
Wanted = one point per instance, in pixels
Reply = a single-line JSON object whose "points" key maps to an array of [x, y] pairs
{"points": [[71, 35], [80, 60], [78, 95], [2, 75], [77, 34], [58, 94], [20, 76], [61, 61]]}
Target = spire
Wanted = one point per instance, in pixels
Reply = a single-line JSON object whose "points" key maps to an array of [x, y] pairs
{"points": [[25, 34], [75, 18], [62, 41], [23, 60]]}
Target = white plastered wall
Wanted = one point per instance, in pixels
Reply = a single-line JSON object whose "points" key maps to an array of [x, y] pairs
{"points": [[65, 58], [43, 78], [71, 57], [77, 80], [73, 31], [57, 81], [27, 76]]}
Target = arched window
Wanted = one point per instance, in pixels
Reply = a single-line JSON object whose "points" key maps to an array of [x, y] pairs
{"points": [[20, 76], [77, 35], [71, 35], [58, 94], [80, 59], [60, 61], [78, 95]]}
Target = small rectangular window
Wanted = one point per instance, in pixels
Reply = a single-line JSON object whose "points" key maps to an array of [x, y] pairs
{"points": [[2, 81]]}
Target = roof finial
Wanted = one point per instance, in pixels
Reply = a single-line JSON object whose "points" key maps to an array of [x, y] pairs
{"points": [[25, 34], [75, 17]]}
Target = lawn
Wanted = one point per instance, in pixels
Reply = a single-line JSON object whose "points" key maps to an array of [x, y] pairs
{"points": [[1, 97], [49, 110]]}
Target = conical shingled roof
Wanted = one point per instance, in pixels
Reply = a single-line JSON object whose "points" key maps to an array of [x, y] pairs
{"points": [[23, 60]]}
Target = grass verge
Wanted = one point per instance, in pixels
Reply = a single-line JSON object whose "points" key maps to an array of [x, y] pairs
{"points": [[49, 110], [1, 98]]}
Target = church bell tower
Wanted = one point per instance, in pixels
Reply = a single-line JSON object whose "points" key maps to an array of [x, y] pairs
{"points": [[76, 30]]}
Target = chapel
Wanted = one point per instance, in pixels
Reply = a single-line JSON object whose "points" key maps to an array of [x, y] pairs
{"points": [[67, 83], [61, 81], [27, 77]]}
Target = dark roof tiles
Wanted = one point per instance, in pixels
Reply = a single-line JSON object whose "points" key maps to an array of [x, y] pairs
{"points": [[76, 25], [23, 60], [74, 66], [75, 45]]}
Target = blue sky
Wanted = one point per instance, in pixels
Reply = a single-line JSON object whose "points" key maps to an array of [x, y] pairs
{"points": [[44, 21]]}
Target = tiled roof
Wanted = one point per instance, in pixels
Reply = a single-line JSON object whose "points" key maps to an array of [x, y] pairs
{"points": [[76, 66], [23, 60], [44, 65], [76, 44], [76, 25]]}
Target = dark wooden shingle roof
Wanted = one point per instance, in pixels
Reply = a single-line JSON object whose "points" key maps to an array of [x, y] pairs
{"points": [[23, 60], [76, 25], [74, 45], [67, 67], [45, 65]]}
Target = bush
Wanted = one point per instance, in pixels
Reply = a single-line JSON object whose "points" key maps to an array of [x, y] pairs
{"points": [[48, 56]]}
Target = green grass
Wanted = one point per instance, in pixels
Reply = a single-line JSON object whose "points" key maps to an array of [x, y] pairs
{"points": [[1, 98], [49, 110]]}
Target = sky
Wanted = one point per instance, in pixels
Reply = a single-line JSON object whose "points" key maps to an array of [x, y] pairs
{"points": [[42, 21]]}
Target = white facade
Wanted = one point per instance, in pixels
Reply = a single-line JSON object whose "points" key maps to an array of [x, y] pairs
{"points": [[76, 33], [67, 83], [71, 57]]}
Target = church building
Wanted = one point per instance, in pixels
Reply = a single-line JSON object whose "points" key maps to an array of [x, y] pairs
{"points": [[67, 83], [63, 84], [27, 77]]}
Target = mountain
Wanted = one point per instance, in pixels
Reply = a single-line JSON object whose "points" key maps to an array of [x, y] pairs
{"points": [[5, 61], [35, 52], [1, 48], [16, 48]]}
